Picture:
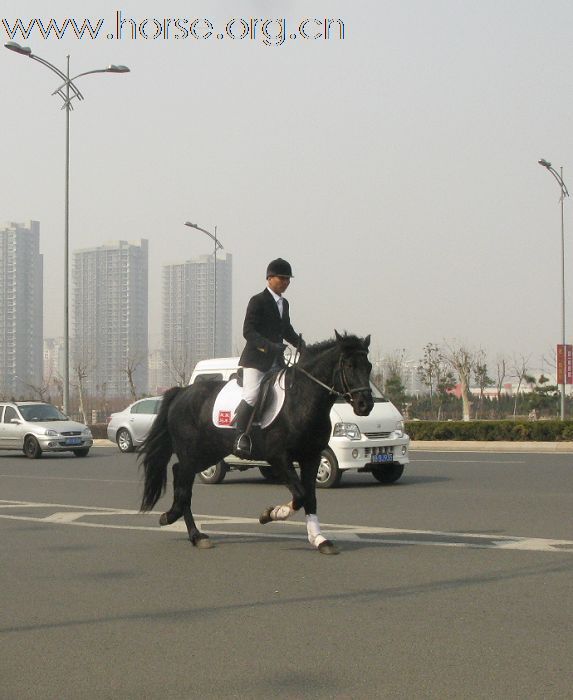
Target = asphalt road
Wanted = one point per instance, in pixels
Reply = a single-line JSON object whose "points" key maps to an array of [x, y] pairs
{"points": [[453, 583]]}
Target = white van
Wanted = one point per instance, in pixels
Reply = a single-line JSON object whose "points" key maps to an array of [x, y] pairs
{"points": [[376, 443]]}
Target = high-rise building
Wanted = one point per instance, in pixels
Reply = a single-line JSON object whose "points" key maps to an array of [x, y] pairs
{"points": [[188, 322], [21, 309], [109, 324], [54, 361]]}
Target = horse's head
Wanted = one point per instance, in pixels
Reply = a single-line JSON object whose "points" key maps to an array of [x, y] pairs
{"points": [[354, 372]]}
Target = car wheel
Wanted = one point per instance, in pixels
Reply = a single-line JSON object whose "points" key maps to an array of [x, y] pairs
{"points": [[82, 453], [329, 473], [214, 474], [389, 473], [124, 440], [32, 449]]}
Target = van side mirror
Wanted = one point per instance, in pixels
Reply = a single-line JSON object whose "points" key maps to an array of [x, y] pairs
{"points": [[16, 420]]}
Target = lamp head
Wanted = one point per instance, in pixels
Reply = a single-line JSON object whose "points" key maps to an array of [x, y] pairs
{"points": [[188, 223], [117, 69], [544, 163], [13, 46]]}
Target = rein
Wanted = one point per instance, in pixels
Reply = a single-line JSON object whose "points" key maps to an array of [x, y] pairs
{"points": [[347, 393]]}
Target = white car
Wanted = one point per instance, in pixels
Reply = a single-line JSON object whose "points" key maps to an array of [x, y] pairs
{"points": [[375, 443], [35, 427], [128, 428]]}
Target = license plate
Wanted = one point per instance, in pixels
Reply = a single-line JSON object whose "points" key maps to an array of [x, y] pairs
{"points": [[384, 457], [73, 441]]}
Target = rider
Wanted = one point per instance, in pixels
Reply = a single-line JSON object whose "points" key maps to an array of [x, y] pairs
{"points": [[267, 323]]}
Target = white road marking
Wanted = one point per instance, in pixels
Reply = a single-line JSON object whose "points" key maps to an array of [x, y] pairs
{"points": [[471, 461], [80, 516], [68, 478]]}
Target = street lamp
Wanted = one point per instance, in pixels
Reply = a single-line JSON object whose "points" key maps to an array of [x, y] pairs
{"points": [[218, 246], [67, 91], [564, 193]]}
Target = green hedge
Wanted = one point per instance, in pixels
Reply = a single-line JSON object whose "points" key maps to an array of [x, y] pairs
{"points": [[513, 431]]}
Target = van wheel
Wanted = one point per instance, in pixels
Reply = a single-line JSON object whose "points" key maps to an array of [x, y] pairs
{"points": [[389, 473], [214, 474], [329, 473], [82, 452]]}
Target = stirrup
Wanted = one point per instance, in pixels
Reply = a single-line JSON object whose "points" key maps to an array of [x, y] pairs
{"points": [[243, 446]]}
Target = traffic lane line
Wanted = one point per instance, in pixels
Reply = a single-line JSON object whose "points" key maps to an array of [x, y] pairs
{"points": [[216, 525]]}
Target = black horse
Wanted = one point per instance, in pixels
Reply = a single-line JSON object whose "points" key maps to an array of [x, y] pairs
{"points": [[337, 367]]}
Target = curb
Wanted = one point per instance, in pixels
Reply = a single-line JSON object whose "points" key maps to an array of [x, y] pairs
{"points": [[101, 442], [490, 446]]}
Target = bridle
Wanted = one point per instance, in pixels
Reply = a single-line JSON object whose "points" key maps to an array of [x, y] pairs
{"points": [[347, 391]]}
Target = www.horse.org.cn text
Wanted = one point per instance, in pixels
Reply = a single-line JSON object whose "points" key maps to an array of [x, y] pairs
{"points": [[269, 32]]}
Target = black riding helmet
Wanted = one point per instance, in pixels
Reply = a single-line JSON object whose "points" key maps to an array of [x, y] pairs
{"points": [[280, 268]]}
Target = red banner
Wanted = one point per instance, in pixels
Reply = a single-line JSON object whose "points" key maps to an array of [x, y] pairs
{"points": [[565, 364]]}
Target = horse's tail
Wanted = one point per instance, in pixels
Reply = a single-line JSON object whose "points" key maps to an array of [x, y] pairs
{"points": [[157, 449]]}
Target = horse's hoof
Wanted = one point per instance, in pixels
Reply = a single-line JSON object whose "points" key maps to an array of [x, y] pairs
{"points": [[163, 519], [328, 547], [201, 541], [265, 516]]}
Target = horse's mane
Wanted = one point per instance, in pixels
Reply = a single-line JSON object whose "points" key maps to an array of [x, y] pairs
{"points": [[349, 343]]}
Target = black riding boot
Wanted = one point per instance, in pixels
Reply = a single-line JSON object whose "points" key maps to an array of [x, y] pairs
{"points": [[242, 446]]}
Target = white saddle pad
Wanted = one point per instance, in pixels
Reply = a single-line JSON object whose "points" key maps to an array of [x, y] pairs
{"points": [[230, 396]]}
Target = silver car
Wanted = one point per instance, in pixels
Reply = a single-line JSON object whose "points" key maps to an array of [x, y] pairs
{"points": [[36, 427], [128, 428]]}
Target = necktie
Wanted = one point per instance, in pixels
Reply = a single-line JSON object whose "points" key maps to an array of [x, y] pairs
{"points": [[280, 305]]}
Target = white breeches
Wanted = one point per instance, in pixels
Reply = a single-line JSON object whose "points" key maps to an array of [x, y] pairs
{"points": [[252, 379]]}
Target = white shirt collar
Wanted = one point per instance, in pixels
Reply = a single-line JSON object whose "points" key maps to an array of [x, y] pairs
{"points": [[276, 296]]}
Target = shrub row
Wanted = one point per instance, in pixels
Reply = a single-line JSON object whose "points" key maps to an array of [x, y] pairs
{"points": [[513, 431]]}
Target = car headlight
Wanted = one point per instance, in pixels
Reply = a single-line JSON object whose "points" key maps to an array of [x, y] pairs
{"points": [[52, 433], [347, 430], [86, 432], [399, 429]]}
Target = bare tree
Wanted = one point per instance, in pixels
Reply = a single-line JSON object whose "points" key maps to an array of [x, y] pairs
{"points": [[501, 374], [434, 372], [80, 373], [430, 367], [520, 372], [461, 359], [395, 362], [481, 377], [133, 363], [179, 365], [40, 391]]}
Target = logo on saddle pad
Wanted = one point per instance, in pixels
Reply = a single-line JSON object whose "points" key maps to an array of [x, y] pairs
{"points": [[229, 398]]}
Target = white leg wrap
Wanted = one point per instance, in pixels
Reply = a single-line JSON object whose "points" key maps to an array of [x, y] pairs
{"points": [[281, 512], [313, 529]]}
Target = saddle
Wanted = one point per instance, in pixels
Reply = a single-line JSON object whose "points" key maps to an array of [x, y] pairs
{"points": [[269, 402]]}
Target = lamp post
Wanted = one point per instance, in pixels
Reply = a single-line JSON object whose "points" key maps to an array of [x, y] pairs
{"points": [[68, 91], [218, 246], [564, 193]]}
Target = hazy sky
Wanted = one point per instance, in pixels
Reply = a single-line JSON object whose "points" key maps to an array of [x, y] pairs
{"points": [[395, 169]]}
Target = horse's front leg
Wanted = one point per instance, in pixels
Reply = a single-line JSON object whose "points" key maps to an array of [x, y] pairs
{"points": [[308, 473], [284, 469]]}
